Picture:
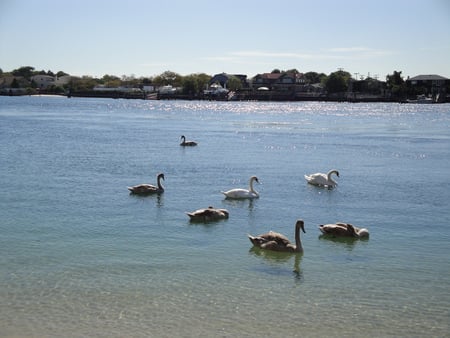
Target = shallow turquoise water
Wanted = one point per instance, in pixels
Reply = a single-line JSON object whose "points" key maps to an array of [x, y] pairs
{"points": [[81, 257]]}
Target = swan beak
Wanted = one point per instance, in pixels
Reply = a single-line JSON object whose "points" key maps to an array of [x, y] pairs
{"points": [[302, 225]]}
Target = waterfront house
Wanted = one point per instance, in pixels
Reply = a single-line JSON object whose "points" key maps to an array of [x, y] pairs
{"points": [[222, 79], [265, 80], [428, 80], [278, 81], [432, 85], [43, 81]]}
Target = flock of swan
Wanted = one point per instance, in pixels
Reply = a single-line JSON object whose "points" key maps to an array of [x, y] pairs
{"points": [[271, 240]]}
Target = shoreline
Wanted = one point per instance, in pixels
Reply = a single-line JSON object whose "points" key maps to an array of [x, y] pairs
{"points": [[274, 97]]}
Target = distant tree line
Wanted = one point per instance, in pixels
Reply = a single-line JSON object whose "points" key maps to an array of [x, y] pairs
{"points": [[334, 84]]}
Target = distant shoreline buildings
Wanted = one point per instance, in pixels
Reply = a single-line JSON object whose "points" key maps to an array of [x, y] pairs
{"points": [[274, 86]]}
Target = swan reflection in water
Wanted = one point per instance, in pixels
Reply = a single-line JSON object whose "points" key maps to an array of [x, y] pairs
{"points": [[240, 203], [277, 260], [145, 198], [349, 243]]}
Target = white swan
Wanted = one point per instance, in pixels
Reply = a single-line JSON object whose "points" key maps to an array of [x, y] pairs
{"points": [[277, 242], [185, 143], [208, 215], [341, 229], [146, 189], [323, 180], [243, 193]]}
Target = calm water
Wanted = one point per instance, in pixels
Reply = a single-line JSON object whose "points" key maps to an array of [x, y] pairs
{"points": [[80, 257]]}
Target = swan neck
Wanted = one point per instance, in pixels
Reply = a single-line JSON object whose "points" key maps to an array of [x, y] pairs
{"points": [[329, 175], [251, 185], [159, 182], [329, 178], [298, 242]]}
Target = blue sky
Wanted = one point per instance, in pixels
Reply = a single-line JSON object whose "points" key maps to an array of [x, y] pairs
{"points": [[146, 37]]}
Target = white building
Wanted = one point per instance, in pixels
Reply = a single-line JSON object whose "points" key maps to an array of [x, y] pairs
{"points": [[43, 81]]}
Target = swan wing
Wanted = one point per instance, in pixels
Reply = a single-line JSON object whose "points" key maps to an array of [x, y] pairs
{"points": [[143, 188], [203, 215], [276, 237], [265, 242], [196, 213], [208, 214], [339, 229], [333, 229], [273, 241], [188, 143], [239, 193], [317, 179]]}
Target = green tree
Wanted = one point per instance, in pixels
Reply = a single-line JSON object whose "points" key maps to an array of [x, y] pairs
{"points": [[190, 85], [15, 83], [293, 70], [147, 80], [168, 78], [61, 73], [110, 80], [195, 83], [203, 80], [337, 82], [396, 85], [234, 83], [26, 72], [394, 79], [83, 83], [313, 77]]}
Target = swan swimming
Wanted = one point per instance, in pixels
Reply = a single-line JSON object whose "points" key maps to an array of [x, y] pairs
{"points": [[185, 143], [277, 242], [341, 229], [240, 193], [207, 215], [146, 189], [323, 180]]}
